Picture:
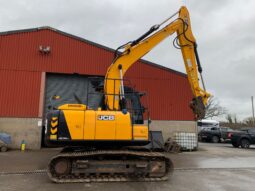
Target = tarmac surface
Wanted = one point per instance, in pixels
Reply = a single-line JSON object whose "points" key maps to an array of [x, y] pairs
{"points": [[214, 167]]}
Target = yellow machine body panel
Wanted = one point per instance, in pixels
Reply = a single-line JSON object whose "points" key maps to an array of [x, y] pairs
{"points": [[75, 123], [73, 107], [74, 117], [113, 125], [123, 126], [140, 132], [105, 125], [89, 125]]}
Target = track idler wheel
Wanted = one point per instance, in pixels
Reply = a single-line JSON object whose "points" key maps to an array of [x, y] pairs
{"points": [[62, 167]]}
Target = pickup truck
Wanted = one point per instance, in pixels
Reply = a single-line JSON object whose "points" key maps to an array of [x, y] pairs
{"points": [[215, 134], [243, 138]]}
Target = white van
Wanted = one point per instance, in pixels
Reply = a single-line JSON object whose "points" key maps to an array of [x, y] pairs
{"points": [[206, 123]]}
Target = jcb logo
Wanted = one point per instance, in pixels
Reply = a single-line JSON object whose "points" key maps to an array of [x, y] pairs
{"points": [[106, 117]]}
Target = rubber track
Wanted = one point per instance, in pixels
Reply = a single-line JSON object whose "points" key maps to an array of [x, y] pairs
{"points": [[110, 178]]}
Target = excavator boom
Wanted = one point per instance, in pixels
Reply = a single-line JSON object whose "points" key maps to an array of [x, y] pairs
{"points": [[133, 51]]}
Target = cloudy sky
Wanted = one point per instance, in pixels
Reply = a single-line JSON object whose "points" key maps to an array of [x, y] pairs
{"points": [[224, 30]]}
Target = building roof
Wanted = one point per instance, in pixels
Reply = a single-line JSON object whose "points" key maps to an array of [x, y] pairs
{"points": [[86, 41]]}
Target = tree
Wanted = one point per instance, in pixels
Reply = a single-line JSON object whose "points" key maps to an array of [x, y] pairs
{"points": [[229, 118], [235, 119], [213, 108], [249, 121]]}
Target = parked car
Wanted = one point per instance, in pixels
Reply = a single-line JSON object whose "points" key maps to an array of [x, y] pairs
{"points": [[206, 123], [215, 134], [243, 138]]}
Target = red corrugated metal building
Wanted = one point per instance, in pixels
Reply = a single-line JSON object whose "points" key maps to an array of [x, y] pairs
{"points": [[23, 68]]}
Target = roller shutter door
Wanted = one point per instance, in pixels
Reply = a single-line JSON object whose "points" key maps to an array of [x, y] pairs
{"points": [[65, 86]]}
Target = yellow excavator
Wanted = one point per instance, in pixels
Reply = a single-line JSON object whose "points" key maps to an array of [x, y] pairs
{"points": [[110, 143]]}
